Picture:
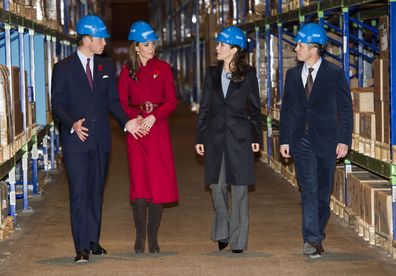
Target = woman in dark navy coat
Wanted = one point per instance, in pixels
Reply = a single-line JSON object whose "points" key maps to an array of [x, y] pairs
{"points": [[228, 133]]}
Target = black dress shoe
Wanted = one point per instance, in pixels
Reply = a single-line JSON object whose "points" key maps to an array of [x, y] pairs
{"points": [[222, 244], [82, 257], [237, 251], [320, 248], [96, 249]]}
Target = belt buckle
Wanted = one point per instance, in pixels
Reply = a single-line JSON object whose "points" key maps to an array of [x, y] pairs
{"points": [[148, 107]]}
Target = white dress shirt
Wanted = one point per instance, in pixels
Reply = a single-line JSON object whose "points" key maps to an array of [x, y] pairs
{"points": [[83, 60], [304, 72]]}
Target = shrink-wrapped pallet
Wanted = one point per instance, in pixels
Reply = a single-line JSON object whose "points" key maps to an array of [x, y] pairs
{"points": [[38, 5]]}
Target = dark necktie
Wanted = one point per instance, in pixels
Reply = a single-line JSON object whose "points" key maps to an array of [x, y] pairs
{"points": [[309, 84], [89, 74]]}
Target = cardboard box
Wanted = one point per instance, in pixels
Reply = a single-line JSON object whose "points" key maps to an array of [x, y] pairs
{"points": [[382, 121], [354, 83], [355, 183], [369, 200], [340, 176], [339, 181], [381, 80], [367, 126], [363, 99], [356, 122], [383, 28], [383, 211]]}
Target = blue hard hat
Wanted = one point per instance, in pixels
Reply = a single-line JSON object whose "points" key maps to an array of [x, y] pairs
{"points": [[311, 33], [233, 36], [141, 31], [92, 25]]}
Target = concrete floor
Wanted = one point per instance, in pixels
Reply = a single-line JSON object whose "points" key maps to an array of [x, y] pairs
{"points": [[44, 244]]}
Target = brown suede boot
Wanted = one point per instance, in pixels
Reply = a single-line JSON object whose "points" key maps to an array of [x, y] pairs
{"points": [[154, 220], [139, 208]]}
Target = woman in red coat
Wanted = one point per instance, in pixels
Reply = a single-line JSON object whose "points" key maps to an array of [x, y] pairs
{"points": [[147, 92]]}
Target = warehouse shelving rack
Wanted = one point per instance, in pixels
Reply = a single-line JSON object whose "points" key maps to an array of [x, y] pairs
{"points": [[33, 48], [350, 31]]}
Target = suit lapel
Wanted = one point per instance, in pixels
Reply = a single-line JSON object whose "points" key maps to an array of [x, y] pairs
{"points": [[96, 73], [217, 81], [80, 71], [319, 78], [300, 84]]}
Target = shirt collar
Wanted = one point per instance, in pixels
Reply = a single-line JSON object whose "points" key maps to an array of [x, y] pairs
{"points": [[315, 66], [83, 58]]}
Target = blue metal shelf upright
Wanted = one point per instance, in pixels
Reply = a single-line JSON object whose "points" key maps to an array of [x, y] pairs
{"points": [[30, 47]]}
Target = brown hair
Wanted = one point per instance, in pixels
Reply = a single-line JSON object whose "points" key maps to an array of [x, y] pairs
{"points": [[238, 64], [133, 61]]}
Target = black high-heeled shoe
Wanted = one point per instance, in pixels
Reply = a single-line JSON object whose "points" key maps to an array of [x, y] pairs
{"points": [[222, 244]]}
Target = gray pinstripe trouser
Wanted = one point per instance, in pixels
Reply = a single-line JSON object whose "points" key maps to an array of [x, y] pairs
{"points": [[234, 226]]}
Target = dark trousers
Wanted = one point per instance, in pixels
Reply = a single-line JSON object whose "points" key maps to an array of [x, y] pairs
{"points": [[86, 171], [315, 175]]}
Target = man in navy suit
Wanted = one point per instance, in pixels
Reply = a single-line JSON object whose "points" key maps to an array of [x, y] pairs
{"points": [[83, 93], [316, 129]]}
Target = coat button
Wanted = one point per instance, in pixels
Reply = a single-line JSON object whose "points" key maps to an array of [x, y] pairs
{"points": [[94, 120], [309, 110]]}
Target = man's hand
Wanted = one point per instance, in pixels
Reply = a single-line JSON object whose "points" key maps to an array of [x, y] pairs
{"points": [[255, 147], [134, 128], [80, 130], [284, 150], [200, 149], [341, 150]]}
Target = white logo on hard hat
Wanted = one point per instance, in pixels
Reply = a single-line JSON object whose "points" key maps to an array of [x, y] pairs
{"points": [[225, 35], [145, 34]]}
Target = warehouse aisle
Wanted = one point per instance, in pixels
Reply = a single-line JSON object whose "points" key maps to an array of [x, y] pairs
{"points": [[44, 245]]}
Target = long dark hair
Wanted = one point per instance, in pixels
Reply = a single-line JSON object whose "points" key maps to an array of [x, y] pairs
{"points": [[238, 64], [133, 61]]}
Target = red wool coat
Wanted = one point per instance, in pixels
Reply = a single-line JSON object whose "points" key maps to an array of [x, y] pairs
{"points": [[151, 165]]}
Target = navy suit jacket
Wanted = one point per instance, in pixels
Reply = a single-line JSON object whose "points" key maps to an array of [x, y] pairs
{"points": [[328, 111], [72, 99]]}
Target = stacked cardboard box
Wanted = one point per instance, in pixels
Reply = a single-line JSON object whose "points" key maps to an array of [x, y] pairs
{"points": [[369, 190], [340, 177], [6, 113], [383, 212], [3, 202], [18, 113], [381, 99], [355, 195]]}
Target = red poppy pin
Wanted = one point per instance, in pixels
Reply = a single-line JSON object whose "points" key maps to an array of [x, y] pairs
{"points": [[100, 67], [156, 74]]}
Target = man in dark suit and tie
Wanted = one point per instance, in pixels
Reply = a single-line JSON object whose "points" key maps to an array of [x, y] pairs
{"points": [[83, 93], [316, 129]]}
